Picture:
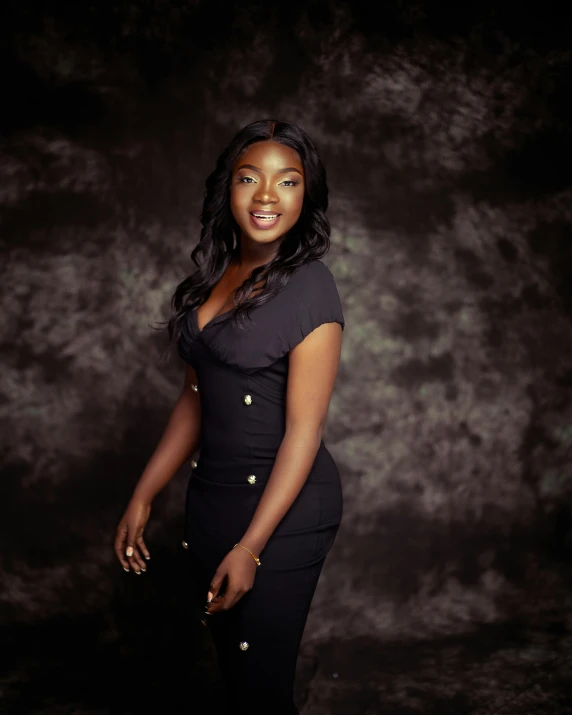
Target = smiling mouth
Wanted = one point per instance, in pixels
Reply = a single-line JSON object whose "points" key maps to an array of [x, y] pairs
{"points": [[262, 221], [263, 216]]}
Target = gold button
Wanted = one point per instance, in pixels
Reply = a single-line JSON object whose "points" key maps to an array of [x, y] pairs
{"points": [[243, 645], [247, 400], [195, 388], [184, 544], [194, 464], [251, 479]]}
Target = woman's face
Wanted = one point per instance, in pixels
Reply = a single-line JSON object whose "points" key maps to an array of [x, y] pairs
{"points": [[267, 181]]}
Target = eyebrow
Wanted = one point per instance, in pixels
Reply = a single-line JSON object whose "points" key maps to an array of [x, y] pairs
{"points": [[280, 171]]}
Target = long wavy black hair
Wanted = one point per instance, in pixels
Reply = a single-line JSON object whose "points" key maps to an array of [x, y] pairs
{"points": [[307, 240]]}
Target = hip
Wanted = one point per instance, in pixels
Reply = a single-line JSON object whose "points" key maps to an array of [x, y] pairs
{"points": [[220, 504]]}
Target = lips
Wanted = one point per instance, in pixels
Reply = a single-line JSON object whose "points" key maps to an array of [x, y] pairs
{"points": [[264, 219]]}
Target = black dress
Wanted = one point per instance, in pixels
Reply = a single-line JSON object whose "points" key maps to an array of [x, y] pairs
{"points": [[242, 375]]}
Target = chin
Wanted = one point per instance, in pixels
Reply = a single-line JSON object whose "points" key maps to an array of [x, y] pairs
{"points": [[262, 236]]}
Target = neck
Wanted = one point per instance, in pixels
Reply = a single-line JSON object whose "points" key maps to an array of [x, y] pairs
{"points": [[249, 254]]}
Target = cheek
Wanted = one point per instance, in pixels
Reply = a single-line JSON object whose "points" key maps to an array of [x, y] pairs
{"points": [[236, 202], [295, 204]]}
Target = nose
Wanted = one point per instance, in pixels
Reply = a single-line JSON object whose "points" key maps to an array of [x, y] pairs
{"points": [[265, 194]]}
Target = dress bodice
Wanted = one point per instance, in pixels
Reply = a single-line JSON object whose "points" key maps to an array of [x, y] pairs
{"points": [[242, 371]]}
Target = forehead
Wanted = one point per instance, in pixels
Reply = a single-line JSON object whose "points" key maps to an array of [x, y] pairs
{"points": [[269, 156]]}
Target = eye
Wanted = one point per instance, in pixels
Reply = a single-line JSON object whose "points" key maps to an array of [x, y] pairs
{"points": [[290, 182], [245, 179]]}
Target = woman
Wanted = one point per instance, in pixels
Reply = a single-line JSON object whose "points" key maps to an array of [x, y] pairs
{"points": [[259, 325]]}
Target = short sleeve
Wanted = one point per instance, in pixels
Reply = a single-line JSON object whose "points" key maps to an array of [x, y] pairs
{"points": [[317, 302], [309, 299]]}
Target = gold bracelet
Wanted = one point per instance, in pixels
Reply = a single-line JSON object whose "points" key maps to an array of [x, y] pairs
{"points": [[250, 552]]}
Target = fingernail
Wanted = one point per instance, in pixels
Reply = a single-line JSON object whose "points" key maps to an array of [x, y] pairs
{"points": [[144, 570], [138, 573], [147, 557], [126, 569], [129, 551], [209, 597]]}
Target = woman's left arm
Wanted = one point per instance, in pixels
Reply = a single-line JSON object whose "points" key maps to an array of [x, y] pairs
{"points": [[312, 370]]}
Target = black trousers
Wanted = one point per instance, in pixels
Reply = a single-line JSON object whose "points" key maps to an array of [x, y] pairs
{"points": [[270, 619]]}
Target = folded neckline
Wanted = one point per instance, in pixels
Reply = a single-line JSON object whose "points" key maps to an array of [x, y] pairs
{"points": [[210, 322]]}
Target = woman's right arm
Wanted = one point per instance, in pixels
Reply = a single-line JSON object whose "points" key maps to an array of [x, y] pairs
{"points": [[180, 439]]}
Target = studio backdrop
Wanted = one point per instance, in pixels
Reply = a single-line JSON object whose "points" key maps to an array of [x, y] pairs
{"points": [[446, 141]]}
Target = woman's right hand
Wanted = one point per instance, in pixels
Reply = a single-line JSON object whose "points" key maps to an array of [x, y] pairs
{"points": [[130, 548]]}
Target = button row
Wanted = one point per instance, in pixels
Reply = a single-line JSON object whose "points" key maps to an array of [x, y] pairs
{"points": [[251, 479]]}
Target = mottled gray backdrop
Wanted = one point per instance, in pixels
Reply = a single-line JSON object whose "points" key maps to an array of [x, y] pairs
{"points": [[446, 135]]}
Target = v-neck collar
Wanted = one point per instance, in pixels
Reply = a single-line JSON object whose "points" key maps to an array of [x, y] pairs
{"points": [[220, 316], [212, 321]]}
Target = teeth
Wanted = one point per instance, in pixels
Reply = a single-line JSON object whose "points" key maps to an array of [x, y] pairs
{"points": [[266, 217]]}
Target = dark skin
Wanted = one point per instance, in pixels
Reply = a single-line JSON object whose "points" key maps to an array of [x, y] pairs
{"points": [[267, 187], [313, 364], [258, 181], [179, 441]]}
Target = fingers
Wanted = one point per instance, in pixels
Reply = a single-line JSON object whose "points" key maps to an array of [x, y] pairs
{"points": [[132, 552], [136, 562], [213, 598], [120, 544], [143, 548], [213, 606], [130, 548], [216, 583], [239, 580], [224, 603], [227, 600]]}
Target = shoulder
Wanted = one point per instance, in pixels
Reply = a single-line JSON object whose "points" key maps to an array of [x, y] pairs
{"points": [[317, 298], [315, 272], [314, 278]]}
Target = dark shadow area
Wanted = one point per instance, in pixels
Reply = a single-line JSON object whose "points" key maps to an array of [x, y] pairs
{"points": [[149, 653], [151, 657], [492, 670]]}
